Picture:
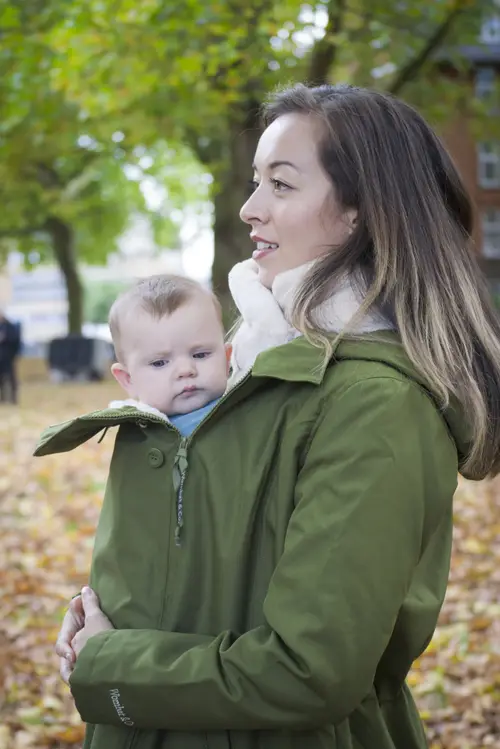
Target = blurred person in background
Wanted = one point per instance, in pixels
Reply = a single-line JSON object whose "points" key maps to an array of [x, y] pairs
{"points": [[10, 347]]}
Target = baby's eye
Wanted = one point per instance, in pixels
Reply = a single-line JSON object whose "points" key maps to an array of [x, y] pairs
{"points": [[201, 355], [158, 363]]}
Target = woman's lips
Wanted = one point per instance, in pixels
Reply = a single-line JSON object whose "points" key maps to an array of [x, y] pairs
{"points": [[259, 254]]}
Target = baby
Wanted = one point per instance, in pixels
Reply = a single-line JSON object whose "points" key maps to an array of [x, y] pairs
{"points": [[173, 363], [168, 337]]}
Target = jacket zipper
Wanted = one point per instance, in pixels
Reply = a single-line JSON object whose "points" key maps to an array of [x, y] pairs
{"points": [[179, 477], [181, 462], [181, 457]]}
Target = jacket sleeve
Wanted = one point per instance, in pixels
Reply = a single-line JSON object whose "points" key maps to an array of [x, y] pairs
{"points": [[352, 546]]}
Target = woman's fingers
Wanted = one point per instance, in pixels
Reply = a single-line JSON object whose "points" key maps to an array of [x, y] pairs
{"points": [[73, 622], [65, 669]]}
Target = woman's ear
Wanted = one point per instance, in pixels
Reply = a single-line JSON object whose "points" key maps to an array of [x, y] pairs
{"points": [[351, 219], [122, 376]]}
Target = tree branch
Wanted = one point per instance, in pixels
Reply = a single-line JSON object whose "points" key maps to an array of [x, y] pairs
{"points": [[413, 67], [325, 50]]}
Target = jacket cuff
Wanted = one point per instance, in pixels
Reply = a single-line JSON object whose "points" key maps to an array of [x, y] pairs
{"points": [[96, 703]]}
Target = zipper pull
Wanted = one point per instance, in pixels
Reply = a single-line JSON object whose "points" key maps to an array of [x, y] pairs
{"points": [[179, 475], [180, 464]]}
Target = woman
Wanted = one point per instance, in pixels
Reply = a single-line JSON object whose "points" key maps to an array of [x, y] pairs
{"points": [[318, 497]]}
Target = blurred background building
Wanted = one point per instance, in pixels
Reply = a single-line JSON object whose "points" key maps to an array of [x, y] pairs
{"points": [[479, 160]]}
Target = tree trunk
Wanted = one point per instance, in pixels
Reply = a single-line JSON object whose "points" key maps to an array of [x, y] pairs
{"points": [[64, 251], [231, 235]]}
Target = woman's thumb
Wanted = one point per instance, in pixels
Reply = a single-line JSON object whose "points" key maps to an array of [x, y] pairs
{"points": [[90, 601]]}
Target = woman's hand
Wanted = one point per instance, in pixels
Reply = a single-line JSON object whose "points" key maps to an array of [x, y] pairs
{"points": [[95, 621], [73, 622], [82, 620]]}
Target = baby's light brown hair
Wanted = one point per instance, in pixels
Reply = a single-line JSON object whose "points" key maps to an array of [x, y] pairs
{"points": [[159, 296]]}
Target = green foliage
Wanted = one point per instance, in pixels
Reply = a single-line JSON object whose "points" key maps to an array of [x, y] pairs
{"points": [[192, 63], [90, 88], [57, 161]]}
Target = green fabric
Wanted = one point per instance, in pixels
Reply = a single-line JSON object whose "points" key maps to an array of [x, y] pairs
{"points": [[312, 565]]}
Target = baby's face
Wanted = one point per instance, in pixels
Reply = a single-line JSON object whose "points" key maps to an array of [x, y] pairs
{"points": [[176, 363]]}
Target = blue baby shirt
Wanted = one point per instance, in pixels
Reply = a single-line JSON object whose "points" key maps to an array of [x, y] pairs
{"points": [[187, 423]]}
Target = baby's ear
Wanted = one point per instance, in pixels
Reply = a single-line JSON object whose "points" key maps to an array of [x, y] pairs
{"points": [[121, 376], [229, 351]]}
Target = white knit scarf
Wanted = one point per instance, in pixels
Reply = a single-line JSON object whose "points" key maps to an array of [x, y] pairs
{"points": [[266, 313]]}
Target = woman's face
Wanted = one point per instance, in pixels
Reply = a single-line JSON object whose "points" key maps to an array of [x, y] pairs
{"points": [[293, 212]]}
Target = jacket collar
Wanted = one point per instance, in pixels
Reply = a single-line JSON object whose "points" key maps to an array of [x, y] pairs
{"points": [[138, 406], [296, 361], [301, 361]]}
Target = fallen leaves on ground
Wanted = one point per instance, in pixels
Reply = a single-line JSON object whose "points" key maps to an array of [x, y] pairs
{"points": [[457, 680], [48, 512]]}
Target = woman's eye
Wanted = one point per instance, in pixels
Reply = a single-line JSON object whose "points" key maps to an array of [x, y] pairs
{"points": [[279, 186], [158, 363], [201, 355]]}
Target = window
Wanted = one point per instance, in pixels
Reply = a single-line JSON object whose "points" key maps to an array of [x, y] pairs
{"points": [[491, 233], [488, 156], [485, 82], [490, 31]]}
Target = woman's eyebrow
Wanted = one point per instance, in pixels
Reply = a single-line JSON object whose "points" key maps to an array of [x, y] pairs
{"points": [[276, 164]]}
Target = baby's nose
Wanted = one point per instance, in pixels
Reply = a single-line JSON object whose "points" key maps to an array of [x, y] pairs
{"points": [[186, 368]]}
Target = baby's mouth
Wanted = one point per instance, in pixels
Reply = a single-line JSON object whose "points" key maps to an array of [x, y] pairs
{"points": [[189, 390]]}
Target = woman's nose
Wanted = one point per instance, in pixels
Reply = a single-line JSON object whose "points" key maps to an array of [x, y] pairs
{"points": [[254, 210]]}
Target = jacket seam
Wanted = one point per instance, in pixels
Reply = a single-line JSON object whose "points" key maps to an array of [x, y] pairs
{"points": [[322, 402], [397, 377], [405, 380], [314, 425]]}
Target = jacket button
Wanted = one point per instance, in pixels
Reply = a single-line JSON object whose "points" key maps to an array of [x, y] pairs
{"points": [[155, 458]]}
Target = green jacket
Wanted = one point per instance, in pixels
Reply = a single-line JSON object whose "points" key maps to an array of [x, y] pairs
{"points": [[311, 567]]}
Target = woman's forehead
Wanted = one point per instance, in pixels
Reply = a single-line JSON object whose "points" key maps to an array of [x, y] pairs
{"points": [[290, 138]]}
